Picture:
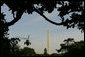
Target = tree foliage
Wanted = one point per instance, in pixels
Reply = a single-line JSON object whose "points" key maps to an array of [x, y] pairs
{"points": [[45, 51], [13, 46], [67, 7], [4, 41], [27, 52], [27, 42], [72, 48], [73, 9]]}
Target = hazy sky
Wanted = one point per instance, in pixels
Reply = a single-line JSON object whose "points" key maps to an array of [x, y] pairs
{"points": [[36, 26]]}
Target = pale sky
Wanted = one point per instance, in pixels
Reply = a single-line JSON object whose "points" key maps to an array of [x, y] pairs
{"points": [[36, 26]]}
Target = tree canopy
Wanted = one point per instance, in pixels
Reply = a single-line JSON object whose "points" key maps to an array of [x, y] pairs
{"points": [[67, 7], [72, 48], [4, 41], [74, 9]]}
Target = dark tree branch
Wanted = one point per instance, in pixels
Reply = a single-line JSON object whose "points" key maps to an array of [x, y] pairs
{"points": [[55, 23], [64, 23], [18, 17]]}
